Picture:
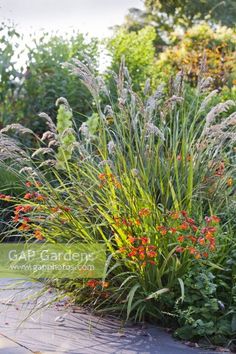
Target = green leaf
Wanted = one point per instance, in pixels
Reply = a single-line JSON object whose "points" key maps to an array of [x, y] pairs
{"points": [[130, 298], [157, 293], [181, 283]]}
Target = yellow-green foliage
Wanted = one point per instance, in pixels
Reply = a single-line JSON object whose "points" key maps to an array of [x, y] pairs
{"points": [[199, 43], [66, 136], [139, 52]]}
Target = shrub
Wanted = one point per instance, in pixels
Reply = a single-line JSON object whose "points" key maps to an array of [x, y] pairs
{"points": [[138, 50], [27, 91], [201, 51]]}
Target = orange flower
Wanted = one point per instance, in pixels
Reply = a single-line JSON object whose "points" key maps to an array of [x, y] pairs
{"points": [[215, 219], [102, 177], [162, 230], [212, 218], [179, 249], [201, 241], [24, 227], [209, 236], [38, 235], [105, 284], [152, 262], [173, 230], [28, 184], [92, 283], [179, 157], [190, 221], [5, 197], [28, 196], [126, 222], [145, 240], [117, 184], [212, 247], [16, 218], [39, 197], [143, 265], [55, 209], [174, 215], [133, 252], [194, 228], [192, 250], [183, 226], [152, 247], [151, 254], [137, 222], [144, 212], [184, 213], [197, 255], [66, 209], [117, 220], [180, 238], [142, 256], [131, 239], [192, 238]]}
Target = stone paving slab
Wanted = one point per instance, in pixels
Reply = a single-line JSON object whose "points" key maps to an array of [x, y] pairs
{"points": [[9, 347], [58, 330]]}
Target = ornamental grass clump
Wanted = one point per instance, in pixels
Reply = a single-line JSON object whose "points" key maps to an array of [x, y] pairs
{"points": [[144, 176]]}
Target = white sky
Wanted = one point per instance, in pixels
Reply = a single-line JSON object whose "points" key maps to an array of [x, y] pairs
{"points": [[89, 16]]}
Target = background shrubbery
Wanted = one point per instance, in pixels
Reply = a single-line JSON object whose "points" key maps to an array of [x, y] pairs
{"points": [[27, 90]]}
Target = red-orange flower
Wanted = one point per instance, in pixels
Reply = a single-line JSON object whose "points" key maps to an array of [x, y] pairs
{"points": [[212, 218], [39, 197], [197, 255], [179, 249], [38, 235], [183, 226], [162, 229], [92, 283], [5, 197], [184, 213], [152, 262], [180, 238], [201, 241], [144, 212], [190, 221], [173, 230], [151, 254], [28, 196], [192, 250], [24, 227], [28, 184], [102, 177], [174, 215], [131, 239], [145, 240], [105, 284]]}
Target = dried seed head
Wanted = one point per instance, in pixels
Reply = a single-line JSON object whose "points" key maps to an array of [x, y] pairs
{"points": [[49, 122], [18, 128]]}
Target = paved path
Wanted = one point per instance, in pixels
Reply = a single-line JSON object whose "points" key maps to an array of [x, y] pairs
{"points": [[57, 330]]}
